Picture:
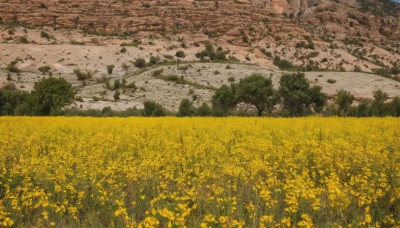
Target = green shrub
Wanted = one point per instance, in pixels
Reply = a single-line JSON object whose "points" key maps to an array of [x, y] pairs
{"points": [[110, 69], [83, 75], [140, 63], [44, 69], [152, 108], [283, 64], [116, 95], [186, 108], [180, 54]]}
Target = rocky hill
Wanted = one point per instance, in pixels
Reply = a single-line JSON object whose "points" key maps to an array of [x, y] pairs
{"points": [[313, 35], [212, 17]]}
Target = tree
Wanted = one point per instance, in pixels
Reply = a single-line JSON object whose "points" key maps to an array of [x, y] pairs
{"points": [[204, 110], [257, 91], [378, 105], [186, 108], [52, 94], [223, 100], [395, 107], [344, 99], [363, 109], [152, 108], [11, 100], [297, 97]]}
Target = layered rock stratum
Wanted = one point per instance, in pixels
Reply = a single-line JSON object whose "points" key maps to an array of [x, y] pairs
{"points": [[214, 17]]}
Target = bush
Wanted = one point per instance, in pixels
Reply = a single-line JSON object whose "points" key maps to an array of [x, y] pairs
{"points": [[331, 81], [204, 110], [357, 68], [343, 100], [140, 63], [116, 95], [152, 108], [180, 54], [283, 64], [132, 86], [52, 94], [83, 75], [110, 69], [44, 69], [153, 60], [186, 108], [12, 66], [45, 35], [210, 53]]}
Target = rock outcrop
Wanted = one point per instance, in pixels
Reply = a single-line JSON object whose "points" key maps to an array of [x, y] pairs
{"points": [[211, 17]]}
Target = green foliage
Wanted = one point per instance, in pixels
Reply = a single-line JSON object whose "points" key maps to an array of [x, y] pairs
{"points": [[394, 107], [44, 69], [283, 64], [331, 81], [132, 86], [380, 8], [83, 75], [257, 91], [153, 61], [180, 54], [45, 35], [10, 101], [12, 66], [110, 69], [52, 94], [303, 44], [223, 100], [357, 68], [379, 108], [152, 108], [204, 110], [140, 63], [298, 98], [210, 53], [116, 95], [186, 108], [343, 100]]}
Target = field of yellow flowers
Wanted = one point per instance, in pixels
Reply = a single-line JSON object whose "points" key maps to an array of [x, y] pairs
{"points": [[199, 172]]}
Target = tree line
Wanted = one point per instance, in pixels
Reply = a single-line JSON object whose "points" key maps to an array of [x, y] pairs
{"points": [[253, 95]]}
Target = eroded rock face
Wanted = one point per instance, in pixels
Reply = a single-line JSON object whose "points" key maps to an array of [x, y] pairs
{"points": [[212, 17], [134, 15]]}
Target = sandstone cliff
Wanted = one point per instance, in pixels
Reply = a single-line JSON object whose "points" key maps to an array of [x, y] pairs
{"points": [[212, 17]]}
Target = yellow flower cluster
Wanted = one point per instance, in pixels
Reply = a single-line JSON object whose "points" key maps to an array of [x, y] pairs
{"points": [[199, 172]]}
